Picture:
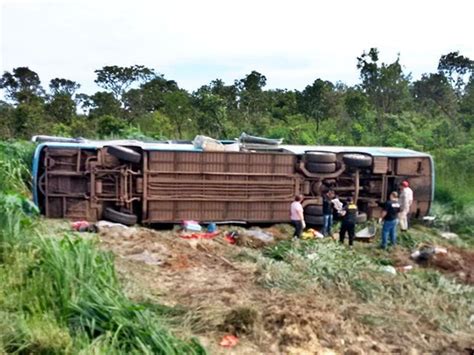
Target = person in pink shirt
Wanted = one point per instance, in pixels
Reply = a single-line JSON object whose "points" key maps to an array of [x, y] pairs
{"points": [[297, 216]]}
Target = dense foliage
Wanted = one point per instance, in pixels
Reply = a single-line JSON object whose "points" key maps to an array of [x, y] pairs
{"points": [[433, 114]]}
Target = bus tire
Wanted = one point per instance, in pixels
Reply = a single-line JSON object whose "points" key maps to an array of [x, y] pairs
{"points": [[320, 157], [357, 160], [361, 217], [314, 220], [124, 153], [119, 217], [314, 210], [321, 167]]}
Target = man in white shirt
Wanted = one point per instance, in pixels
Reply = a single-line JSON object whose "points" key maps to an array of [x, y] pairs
{"points": [[406, 200], [297, 216]]}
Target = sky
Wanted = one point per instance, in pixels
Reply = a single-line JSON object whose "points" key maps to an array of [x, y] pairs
{"points": [[194, 42]]}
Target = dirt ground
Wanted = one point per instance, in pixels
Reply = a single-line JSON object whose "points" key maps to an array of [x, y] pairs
{"points": [[458, 263], [221, 293]]}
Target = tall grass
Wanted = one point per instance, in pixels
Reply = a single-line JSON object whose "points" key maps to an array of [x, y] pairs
{"points": [[15, 162], [454, 175], [71, 285], [60, 294]]}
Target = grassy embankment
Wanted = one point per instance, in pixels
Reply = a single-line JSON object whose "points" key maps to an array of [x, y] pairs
{"points": [[60, 294]]}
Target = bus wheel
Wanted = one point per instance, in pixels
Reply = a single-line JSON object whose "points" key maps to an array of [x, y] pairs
{"points": [[357, 160], [124, 153], [321, 167], [320, 157], [314, 210], [314, 220], [119, 217]]}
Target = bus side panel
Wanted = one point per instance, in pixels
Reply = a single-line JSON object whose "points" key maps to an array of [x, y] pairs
{"points": [[419, 172], [219, 186]]}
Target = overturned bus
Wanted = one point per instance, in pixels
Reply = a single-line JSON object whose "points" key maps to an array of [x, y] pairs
{"points": [[130, 182]]}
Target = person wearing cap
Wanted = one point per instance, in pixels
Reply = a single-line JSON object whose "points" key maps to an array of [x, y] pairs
{"points": [[390, 221], [405, 200]]}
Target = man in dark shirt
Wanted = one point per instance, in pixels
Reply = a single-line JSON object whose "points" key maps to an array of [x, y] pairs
{"points": [[327, 212], [348, 222], [390, 218]]}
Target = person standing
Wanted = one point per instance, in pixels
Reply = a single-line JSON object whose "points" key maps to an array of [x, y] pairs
{"points": [[327, 212], [389, 216], [297, 216], [406, 200], [348, 222]]}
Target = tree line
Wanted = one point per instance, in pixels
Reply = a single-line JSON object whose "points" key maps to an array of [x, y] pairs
{"points": [[386, 107]]}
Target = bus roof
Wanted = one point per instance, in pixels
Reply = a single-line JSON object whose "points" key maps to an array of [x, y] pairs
{"points": [[188, 146]]}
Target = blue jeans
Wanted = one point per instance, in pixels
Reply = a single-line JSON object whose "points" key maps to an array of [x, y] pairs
{"points": [[327, 224], [389, 228]]}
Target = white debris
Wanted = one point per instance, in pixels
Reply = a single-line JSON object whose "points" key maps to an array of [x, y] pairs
{"points": [[107, 224], [312, 256], [389, 269], [449, 235]]}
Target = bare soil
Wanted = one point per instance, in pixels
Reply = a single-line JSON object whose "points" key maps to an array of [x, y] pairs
{"points": [[458, 263], [221, 294]]}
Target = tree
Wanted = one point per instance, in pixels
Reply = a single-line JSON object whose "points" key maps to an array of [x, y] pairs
{"points": [[250, 91], [109, 125], [281, 103], [149, 97], [228, 93], [467, 105], [457, 68], [211, 112], [433, 93], [59, 86], [356, 103], [177, 106], [22, 86], [61, 106], [119, 79], [6, 119], [386, 85], [104, 104], [314, 101]]}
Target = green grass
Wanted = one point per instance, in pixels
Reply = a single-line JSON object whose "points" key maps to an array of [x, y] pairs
{"points": [[15, 161], [60, 294]]}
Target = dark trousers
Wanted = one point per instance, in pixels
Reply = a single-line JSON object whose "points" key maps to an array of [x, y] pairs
{"points": [[347, 227], [298, 228]]}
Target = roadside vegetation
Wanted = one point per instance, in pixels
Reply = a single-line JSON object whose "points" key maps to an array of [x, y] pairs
{"points": [[60, 293]]}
